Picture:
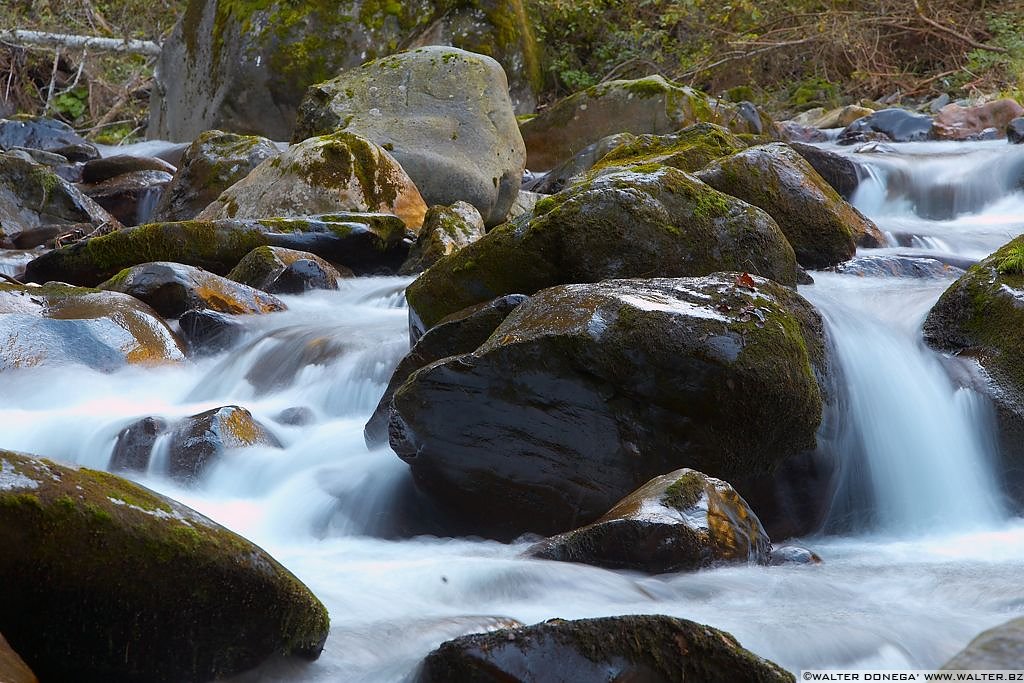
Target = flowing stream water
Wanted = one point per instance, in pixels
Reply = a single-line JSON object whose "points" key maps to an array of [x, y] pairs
{"points": [[923, 552]]}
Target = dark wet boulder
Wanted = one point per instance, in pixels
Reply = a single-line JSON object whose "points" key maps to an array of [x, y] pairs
{"points": [[459, 333], [364, 242], [823, 228], [167, 594], [651, 649], [898, 266], [211, 164], [571, 170], [173, 288], [134, 444], [690, 150], [955, 122], [198, 441], [999, 648], [129, 197], [47, 135], [839, 171], [61, 325], [897, 125], [793, 554], [327, 174], [660, 222], [446, 229], [587, 391], [647, 105], [1015, 131], [207, 332], [13, 668], [444, 114], [680, 521], [105, 168], [297, 416], [286, 271]]}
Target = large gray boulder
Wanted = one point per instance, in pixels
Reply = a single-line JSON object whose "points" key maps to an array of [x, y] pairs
{"points": [[443, 113], [998, 648]]}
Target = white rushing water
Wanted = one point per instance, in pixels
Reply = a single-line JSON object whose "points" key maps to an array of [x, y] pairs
{"points": [[933, 558]]}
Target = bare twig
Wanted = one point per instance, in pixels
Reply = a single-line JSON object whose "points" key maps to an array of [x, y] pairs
{"points": [[59, 40], [956, 34]]}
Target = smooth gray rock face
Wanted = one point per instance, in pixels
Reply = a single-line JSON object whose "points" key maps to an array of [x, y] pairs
{"points": [[1001, 647]]}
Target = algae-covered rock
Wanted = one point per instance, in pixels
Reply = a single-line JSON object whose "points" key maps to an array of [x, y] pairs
{"points": [[211, 164], [690, 150], [286, 271], [998, 648], [647, 105], [327, 174], [13, 668], [361, 241], [173, 288], [587, 391], [104, 580], [443, 113], [244, 65], [199, 440], [652, 649], [446, 229], [32, 196], [58, 325], [47, 135], [655, 222], [680, 521], [823, 228]]}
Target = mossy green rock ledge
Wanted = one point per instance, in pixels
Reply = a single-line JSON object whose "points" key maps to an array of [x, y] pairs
{"points": [[587, 391], [647, 648], [103, 580], [647, 222]]}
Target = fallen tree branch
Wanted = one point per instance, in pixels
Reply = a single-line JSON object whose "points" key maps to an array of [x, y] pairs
{"points": [[59, 40]]}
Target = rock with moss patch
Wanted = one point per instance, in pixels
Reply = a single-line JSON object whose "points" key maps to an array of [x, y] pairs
{"points": [[648, 105], [48, 135], [244, 65], [680, 521], [167, 594], [998, 648], [60, 325], [690, 150], [587, 391], [652, 649], [32, 196], [198, 441], [211, 164], [286, 271], [572, 170], [823, 228], [173, 288], [365, 242], [326, 174], [446, 229], [13, 668], [443, 113], [649, 222]]}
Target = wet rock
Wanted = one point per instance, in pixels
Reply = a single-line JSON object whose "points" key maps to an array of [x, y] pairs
{"points": [[129, 197], [105, 168], [657, 223], [245, 68], [364, 242], [1015, 131], [298, 416], [446, 229], [459, 333], [792, 554], [200, 440], [823, 228], [954, 122], [838, 171], [328, 174], [134, 445], [173, 288], [12, 668], [59, 325], [998, 648], [840, 117], [680, 521], [647, 105], [286, 271], [571, 170], [652, 649], [168, 595], [794, 132], [444, 114], [587, 391], [47, 135], [897, 125], [898, 266], [690, 150], [211, 164], [208, 332]]}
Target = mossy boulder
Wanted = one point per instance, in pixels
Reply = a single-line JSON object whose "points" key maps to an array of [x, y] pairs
{"points": [[13, 668], [286, 271], [211, 164], [33, 196], [104, 580], [443, 113], [364, 242], [244, 65], [198, 441], [823, 228], [998, 648], [173, 288], [690, 150], [59, 325], [326, 174], [649, 222], [652, 649], [587, 391], [680, 521], [446, 229], [647, 105], [47, 135]]}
